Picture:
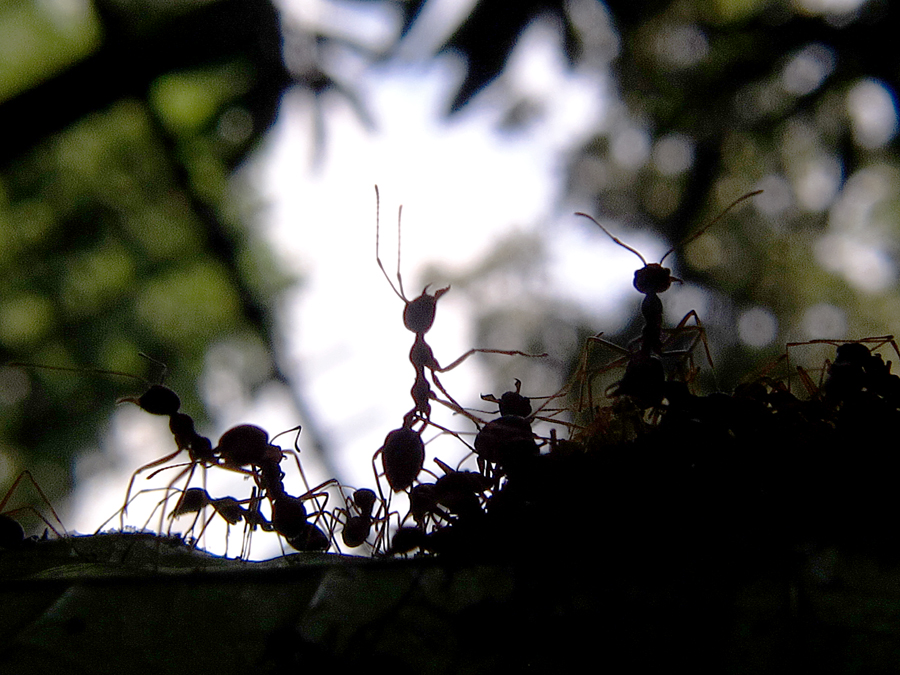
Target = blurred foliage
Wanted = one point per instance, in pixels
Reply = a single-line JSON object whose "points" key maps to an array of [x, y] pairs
{"points": [[122, 228]]}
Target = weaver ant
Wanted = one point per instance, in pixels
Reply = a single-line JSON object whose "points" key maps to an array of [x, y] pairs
{"points": [[644, 377], [156, 400], [360, 516], [418, 317]]}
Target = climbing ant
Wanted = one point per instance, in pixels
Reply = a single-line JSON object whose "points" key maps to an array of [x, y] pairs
{"points": [[644, 373]]}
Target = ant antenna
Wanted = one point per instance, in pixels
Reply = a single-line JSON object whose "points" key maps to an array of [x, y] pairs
{"points": [[610, 235], [684, 242], [400, 293], [165, 368], [99, 371], [715, 220]]}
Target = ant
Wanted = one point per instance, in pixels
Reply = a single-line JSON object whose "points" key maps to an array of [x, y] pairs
{"points": [[12, 534], [156, 400], [644, 373], [358, 526], [403, 451], [418, 317]]}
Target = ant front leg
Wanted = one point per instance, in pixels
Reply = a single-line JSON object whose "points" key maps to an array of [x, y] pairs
{"points": [[145, 467]]}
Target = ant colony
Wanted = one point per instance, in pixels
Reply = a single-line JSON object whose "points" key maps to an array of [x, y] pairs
{"points": [[640, 458]]}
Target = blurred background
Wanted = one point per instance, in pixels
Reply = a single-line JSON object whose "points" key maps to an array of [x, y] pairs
{"points": [[194, 180]]}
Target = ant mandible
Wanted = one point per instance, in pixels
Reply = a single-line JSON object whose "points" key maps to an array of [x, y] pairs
{"points": [[644, 373]]}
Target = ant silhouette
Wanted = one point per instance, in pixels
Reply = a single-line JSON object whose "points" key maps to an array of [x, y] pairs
{"points": [[418, 317], [644, 377], [403, 451], [156, 400]]}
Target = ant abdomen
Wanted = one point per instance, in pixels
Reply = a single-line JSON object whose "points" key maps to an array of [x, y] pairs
{"points": [[245, 445], [12, 534], [403, 455], [644, 381], [289, 517], [406, 539], [310, 538], [191, 501], [356, 531], [505, 440]]}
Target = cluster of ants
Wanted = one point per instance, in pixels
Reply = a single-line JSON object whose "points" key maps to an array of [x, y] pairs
{"points": [[655, 462]]}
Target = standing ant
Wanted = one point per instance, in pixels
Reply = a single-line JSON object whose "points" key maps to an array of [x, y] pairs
{"points": [[156, 400], [403, 452], [418, 317], [644, 377]]}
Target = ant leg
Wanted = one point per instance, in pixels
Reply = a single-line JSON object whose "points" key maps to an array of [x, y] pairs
{"points": [[152, 464], [189, 469], [585, 376], [27, 474], [700, 331], [469, 353]]}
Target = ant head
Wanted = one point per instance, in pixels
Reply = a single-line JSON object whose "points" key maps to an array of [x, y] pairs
{"points": [[653, 279], [511, 402], [418, 315], [157, 400]]}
